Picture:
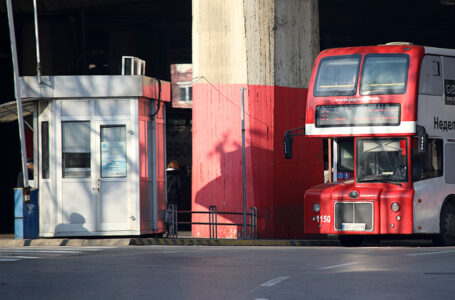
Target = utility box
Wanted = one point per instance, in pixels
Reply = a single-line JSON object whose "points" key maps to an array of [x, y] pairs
{"points": [[99, 149], [26, 214]]}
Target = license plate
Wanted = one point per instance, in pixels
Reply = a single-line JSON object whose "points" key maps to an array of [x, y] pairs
{"points": [[353, 226]]}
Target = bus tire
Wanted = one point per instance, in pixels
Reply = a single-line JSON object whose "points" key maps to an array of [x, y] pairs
{"points": [[351, 240], [447, 226]]}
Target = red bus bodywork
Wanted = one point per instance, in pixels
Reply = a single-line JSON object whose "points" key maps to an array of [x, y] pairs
{"points": [[408, 100], [378, 196]]}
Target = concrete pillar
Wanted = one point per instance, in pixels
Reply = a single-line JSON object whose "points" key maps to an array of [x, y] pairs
{"points": [[267, 47], [296, 41], [219, 52], [256, 42]]}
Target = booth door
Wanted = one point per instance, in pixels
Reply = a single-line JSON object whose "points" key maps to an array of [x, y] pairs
{"points": [[76, 205], [112, 180], [95, 187]]}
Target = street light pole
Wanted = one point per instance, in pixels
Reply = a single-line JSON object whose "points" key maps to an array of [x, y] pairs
{"points": [[243, 163], [38, 56], [17, 92]]}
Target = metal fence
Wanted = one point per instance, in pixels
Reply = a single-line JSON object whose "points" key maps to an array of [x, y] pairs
{"points": [[172, 221]]}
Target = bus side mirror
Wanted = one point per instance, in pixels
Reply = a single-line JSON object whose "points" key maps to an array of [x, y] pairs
{"points": [[287, 143], [422, 140]]}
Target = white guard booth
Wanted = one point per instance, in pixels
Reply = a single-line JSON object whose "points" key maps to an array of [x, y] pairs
{"points": [[99, 148]]}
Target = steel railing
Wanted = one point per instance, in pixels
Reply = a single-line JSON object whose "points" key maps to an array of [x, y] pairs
{"points": [[171, 220], [212, 221]]}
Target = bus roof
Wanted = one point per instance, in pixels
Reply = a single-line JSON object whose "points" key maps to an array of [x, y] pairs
{"points": [[439, 51], [371, 49], [388, 48]]}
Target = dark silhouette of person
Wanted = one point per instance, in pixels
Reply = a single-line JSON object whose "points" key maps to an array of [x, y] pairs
{"points": [[174, 186], [20, 176]]}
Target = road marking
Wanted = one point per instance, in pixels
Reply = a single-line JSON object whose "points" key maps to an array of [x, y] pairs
{"points": [[18, 257], [44, 251], [275, 281], [429, 253], [16, 254], [65, 249], [8, 259], [339, 266]]}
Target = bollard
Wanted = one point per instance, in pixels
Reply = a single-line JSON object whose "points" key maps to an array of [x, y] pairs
{"points": [[26, 214]]}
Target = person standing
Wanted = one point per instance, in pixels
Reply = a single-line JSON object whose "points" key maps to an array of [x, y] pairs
{"points": [[174, 192], [20, 176], [174, 183]]}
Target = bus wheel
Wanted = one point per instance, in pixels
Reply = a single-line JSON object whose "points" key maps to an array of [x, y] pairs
{"points": [[351, 240], [447, 235]]}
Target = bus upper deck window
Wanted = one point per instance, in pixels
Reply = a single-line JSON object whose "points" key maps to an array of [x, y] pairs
{"points": [[384, 74], [337, 76]]}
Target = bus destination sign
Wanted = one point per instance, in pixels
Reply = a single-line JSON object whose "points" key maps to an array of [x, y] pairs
{"points": [[382, 114]]}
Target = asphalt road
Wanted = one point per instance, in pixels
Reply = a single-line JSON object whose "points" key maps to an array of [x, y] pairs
{"points": [[176, 272]]}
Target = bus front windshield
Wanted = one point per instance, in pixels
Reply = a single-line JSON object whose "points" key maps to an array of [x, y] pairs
{"points": [[384, 74], [337, 76], [381, 160]]}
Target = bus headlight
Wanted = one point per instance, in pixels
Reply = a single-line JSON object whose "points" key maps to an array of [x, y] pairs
{"points": [[395, 207], [316, 207]]}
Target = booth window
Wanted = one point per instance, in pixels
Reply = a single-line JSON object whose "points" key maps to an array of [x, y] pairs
{"points": [[45, 149], [113, 151], [76, 149]]}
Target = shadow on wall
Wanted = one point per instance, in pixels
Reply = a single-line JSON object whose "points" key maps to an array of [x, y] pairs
{"points": [[275, 186], [224, 164], [76, 225]]}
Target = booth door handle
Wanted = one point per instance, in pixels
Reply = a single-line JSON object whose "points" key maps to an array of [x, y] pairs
{"points": [[97, 185]]}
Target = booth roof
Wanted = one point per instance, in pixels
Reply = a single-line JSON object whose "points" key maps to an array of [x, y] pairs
{"points": [[8, 111], [95, 86], [98, 86]]}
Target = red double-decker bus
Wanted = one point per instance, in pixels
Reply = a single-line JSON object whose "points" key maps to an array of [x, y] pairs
{"points": [[388, 114]]}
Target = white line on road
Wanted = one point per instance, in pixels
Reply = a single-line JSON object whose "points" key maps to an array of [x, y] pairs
{"points": [[18, 257], [429, 253], [64, 249], [339, 266], [43, 251], [275, 281], [8, 259]]}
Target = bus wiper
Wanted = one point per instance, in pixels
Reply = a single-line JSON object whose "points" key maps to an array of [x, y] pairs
{"points": [[380, 180]]}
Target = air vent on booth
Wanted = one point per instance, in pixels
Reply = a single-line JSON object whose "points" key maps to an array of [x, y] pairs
{"points": [[132, 66]]}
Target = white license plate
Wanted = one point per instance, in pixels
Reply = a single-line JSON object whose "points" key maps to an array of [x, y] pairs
{"points": [[353, 226]]}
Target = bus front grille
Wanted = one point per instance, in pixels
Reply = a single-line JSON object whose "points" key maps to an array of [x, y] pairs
{"points": [[354, 216]]}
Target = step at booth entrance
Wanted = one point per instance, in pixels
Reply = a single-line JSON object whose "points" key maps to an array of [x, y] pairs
{"points": [[99, 144]]}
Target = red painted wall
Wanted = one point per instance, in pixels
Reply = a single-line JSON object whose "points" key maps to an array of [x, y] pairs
{"points": [[293, 177], [275, 186]]}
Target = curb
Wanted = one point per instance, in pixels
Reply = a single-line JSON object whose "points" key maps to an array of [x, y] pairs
{"points": [[124, 242], [230, 242], [64, 242], [9, 243]]}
